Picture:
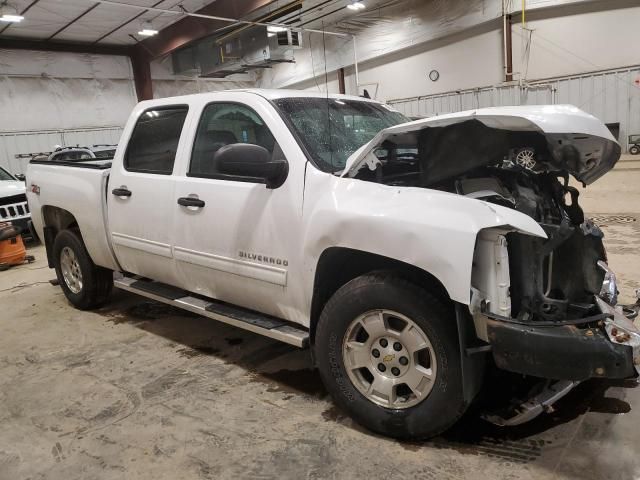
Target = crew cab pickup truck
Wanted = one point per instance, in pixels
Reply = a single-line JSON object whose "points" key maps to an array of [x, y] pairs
{"points": [[412, 257]]}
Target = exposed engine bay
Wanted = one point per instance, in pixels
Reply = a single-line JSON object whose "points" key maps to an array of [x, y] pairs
{"points": [[552, 279]]}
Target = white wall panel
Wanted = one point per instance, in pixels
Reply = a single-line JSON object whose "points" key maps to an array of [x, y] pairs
{"points": [[612, 96]]}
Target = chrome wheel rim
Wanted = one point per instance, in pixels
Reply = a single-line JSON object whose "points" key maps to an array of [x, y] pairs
{"points": [[389, 359], [70, 269]]}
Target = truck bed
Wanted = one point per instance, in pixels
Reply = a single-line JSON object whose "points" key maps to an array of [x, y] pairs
{"points": [[72, 186]]}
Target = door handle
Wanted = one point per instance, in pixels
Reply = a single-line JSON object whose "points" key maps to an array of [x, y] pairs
{"points": [[191, 202], [121, 192]]}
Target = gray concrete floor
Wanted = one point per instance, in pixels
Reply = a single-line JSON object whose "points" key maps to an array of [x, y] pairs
{"points": [[138, 390]]}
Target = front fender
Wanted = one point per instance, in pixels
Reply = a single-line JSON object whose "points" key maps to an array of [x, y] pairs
{"points": [[435, 231]]}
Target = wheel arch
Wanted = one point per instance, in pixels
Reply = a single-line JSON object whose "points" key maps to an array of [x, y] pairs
{"points": [[337, 266], [55, 219]]}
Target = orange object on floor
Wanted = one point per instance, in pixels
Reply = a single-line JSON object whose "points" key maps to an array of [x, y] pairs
{"points": [[12, 249]]}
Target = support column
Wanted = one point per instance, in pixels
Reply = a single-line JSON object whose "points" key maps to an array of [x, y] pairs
{"points": [[341, 85], [141, 66], [508, 49]]}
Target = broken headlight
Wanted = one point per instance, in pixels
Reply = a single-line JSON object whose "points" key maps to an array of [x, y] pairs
{"points": [[609, 290]]}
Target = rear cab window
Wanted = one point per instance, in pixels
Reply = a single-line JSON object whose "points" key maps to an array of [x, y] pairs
{"points": [[154, 142]]}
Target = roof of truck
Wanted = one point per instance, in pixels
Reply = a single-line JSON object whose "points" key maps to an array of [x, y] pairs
{"points": [[274, 94], [269, 94]]}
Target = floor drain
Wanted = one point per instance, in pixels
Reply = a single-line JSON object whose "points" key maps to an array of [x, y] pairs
{"points": [[609, 219]]}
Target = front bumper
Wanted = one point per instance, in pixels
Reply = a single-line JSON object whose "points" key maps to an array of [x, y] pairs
{"points": [[568, 352]]}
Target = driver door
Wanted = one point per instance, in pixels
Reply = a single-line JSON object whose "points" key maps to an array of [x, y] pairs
{"points": [[236, 240]]}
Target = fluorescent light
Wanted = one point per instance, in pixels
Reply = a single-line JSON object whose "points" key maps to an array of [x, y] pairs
{"points": [[356, 6], [11, 18], [276, 29], [147, 30], [9, 14]]}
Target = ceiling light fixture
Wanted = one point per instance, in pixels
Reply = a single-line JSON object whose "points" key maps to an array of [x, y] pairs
{"points": [[9, 14], [147, 30], [356, 5], [275, 29]]}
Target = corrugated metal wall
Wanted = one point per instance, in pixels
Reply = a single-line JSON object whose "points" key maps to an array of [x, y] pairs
{"points": [[13, 144], [613, 96]]}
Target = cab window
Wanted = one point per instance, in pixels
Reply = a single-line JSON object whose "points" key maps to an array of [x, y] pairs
{"points": [[154, 142], [224, 124]]}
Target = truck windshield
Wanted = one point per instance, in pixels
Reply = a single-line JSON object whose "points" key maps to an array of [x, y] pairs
{"points": [[4, 175], [332, 129]]}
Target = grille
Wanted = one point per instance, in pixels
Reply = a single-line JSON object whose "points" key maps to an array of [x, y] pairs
{"points": [[602, 220], [13, 208]]}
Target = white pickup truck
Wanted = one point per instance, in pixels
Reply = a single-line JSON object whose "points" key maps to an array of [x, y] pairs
{"points": [[410, 256]]}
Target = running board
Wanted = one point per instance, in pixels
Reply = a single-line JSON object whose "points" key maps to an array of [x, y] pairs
{"points": [[238, 317]]}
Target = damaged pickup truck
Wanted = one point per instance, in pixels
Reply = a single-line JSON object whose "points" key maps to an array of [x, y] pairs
{"points": [[414, 258]]}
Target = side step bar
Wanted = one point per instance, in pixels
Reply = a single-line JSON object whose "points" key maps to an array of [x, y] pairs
{"points": [[238, 317]]}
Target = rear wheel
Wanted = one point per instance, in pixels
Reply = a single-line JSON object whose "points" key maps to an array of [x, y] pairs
{"points": [[85, 284], [635, 150], [388, 353]]}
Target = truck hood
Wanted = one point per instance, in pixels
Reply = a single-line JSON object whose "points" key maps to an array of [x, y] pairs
{"points": [[9, 188], [576, 142]]}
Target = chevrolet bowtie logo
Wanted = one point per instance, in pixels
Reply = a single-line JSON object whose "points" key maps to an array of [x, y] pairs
{"points": [[388, 358]]}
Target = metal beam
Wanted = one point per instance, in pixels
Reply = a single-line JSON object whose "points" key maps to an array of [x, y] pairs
{"points": [[28, 7], [21, 44], [126, 23], [74, 20]]}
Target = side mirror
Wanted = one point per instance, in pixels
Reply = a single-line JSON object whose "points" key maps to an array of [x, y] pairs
{"points": [[251, 161], [20, 177]]}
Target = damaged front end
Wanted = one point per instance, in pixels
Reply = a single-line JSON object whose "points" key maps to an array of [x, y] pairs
{"points": [[546, 306]]}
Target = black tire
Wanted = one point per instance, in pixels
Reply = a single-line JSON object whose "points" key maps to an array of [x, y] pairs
{"points": [[635, 150], [97, 282], [443, 406]]}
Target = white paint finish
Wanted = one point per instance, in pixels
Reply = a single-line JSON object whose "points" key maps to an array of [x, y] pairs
{"points": [[548, 119], [83, 196], [141, 245], [433, 230], [9, 188], [264, 222], [255, 271], [147, 248]]}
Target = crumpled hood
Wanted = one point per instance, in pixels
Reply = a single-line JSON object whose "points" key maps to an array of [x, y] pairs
{"points": [[577, 142], [11, 187]]}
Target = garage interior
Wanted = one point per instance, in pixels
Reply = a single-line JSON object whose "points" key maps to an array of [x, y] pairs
{"points": [[139, 389]]}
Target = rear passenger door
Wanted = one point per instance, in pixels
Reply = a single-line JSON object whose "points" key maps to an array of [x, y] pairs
{"points": [[140, 193]]}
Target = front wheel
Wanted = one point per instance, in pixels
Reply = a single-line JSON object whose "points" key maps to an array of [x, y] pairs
{"points": [[635, 150], [388, 353], [85, 284]]}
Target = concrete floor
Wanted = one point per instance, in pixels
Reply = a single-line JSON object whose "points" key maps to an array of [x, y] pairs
{"points": [[138, 390]]}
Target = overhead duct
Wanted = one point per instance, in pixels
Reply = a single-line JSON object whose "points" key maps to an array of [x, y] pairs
{"points": [[250, 49]]}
